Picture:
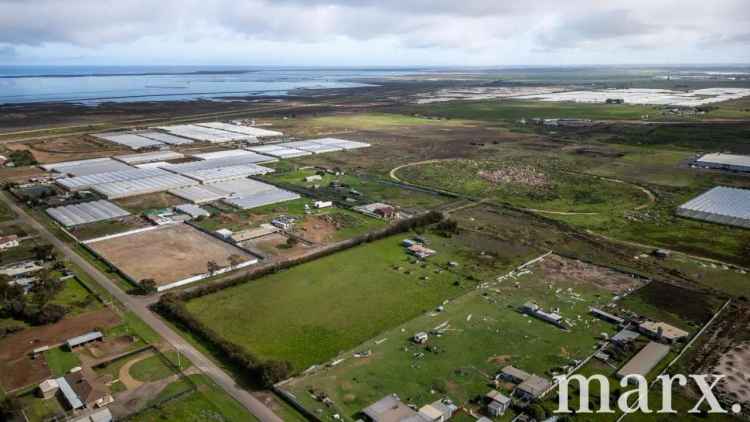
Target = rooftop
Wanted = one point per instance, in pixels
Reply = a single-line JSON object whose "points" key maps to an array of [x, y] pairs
{"points": [[645, 360]]}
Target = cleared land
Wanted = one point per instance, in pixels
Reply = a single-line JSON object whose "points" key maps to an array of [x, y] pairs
{"points": [[476, 335], [167, 254], [311, 312]]}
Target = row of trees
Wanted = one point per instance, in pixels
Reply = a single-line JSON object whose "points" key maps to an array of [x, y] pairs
{"points": [[35, 306]]}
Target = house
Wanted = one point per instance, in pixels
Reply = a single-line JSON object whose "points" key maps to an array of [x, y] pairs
{"points": [[284, 222], [513, 374], [21, 268], [498, 403], [48, 388], [378, 210], [8, 242], [420, 251], [645, 360], [439, 411], [532, 388], [420, 338], [89, 393], [389, 409], [323, 204], [101, 415], [662, 331], [84, 339], [313, 178]]}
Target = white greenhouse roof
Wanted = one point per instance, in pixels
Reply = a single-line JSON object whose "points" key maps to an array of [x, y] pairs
{"points": [[720, 205], [85, 182], [242, 187], [253, 131], [88, 212], [204, 134], [312, 147], [135, 187], [226, 173], [218, 163], [279, 151], [224, 154], [166, 138], [130, 140], [341, 143], [200, 194], [261, 199], [86, 167], [192, 210], [149, 157]]}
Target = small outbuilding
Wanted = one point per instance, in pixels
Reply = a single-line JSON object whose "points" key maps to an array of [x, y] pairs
{"points": [[84, 339], [48, 388], [498, 403]]}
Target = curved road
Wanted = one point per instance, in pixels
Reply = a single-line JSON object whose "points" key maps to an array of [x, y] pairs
{"points": [[139, 306]]}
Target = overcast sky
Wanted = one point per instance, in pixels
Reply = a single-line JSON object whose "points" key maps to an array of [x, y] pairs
{"points": [[374, 32]]}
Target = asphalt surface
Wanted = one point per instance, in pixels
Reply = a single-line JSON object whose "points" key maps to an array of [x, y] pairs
{"points": [[139, 306]]}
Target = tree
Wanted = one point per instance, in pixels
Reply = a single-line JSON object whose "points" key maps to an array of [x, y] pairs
{"points": [[49, 313], [9, 407], [212, 267], [44, 252], [274, 371], [235, 260], [291, 241], [537, 412], [147, 286]]}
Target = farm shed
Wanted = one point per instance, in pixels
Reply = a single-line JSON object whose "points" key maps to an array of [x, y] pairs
{"points": [[513, 374], [87, 212], [731, 162], [721, 205], [606, 316], [625, 336], [532, 388], [84, 339], [70, 396], [645, 360], [388, 409]]}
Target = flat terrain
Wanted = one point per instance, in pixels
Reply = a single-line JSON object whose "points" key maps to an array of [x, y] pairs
{"points": [[166, 254], [476, 335], [312, 312]]}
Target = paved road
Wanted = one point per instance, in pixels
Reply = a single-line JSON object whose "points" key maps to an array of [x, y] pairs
{"points": [[139, 306]]}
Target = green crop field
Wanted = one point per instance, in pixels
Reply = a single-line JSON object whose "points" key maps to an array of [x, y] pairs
{"points": [[311, 312], [476, 335]]}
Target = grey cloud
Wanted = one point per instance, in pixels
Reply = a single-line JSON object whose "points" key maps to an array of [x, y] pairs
{"points": [[595, 27]]}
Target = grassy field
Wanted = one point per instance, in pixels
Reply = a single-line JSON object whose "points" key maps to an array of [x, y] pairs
{"points": [[61, 361], [476, 335], [208, 402], [75, 296], [313, 311], [375, 121], [153, 368], [505, 110], [6, 213], [141, 203], [536, 185]]}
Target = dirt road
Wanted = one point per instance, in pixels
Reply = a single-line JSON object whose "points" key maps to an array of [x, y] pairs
{"points": [[140, 308]]}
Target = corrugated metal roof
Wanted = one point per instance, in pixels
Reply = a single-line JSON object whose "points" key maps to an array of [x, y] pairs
{"points": [[204, 134], [70, 396], [720, 205], [226, 173], [726, 160], [88, 212], [85, 338], [645, 360], [279, 151]]}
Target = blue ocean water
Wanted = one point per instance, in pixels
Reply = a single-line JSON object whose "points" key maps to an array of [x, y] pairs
{"points": [[95, 84]]}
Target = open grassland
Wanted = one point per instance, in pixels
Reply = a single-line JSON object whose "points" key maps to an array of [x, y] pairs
{"points": [[311, 312], [375, 121], [495, 111], [535, 185], [6, 213], [76, 297], [476, 335]]}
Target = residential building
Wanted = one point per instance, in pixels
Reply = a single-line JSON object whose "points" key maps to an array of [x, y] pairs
{"points": [[389, 409], [8, 242], [532, 388], [662, 331], [498, 403], [48, 388], [513, 374], [284, 222], [439, 411]]}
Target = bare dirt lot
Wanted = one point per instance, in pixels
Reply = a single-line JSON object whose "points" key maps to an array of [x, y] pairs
{"points": [[167, 254], [558, 268], [67, 148], [17, 369]]}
